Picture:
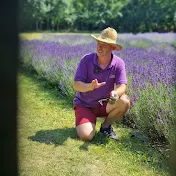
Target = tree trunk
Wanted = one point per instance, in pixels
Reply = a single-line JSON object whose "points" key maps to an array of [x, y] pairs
{"points": [[57, 26], [36, 25], [40, 26], [47, 25]]}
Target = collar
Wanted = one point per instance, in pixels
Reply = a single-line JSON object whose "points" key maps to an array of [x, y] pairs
{"points": [[111, 64]]}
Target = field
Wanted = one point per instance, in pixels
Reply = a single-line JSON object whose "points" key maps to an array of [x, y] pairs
{"points": [[150, 63]]}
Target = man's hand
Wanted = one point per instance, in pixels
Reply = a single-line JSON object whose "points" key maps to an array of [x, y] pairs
{"points": [[94, 84], [113, 97]]}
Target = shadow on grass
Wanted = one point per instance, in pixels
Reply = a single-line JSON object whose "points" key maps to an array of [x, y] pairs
{"points": [[59, 136], [56, 136]]}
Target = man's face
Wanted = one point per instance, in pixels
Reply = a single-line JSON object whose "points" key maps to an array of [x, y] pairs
{"points": [[103, 49]]}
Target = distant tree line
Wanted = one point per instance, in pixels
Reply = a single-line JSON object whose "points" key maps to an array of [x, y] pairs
{"points": [[94, 15]]}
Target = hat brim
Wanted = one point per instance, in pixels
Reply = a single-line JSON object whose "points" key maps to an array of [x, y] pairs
{"points": [[117, 46]]}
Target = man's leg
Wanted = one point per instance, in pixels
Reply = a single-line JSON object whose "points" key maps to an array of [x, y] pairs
{"points": [[85, 123], [116, 111], [86, 131]]}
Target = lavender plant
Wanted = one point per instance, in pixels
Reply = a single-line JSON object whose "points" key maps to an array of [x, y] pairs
{"points": [[54, 62], [151, 75], [152, 87]]}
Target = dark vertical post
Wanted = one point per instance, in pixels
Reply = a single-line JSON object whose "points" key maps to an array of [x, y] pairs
{"points": [[9, 46]]}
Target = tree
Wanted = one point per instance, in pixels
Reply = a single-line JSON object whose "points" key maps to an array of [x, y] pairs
{"points": [[123, 15]]}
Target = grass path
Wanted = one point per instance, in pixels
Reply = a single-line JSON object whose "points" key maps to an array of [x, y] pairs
{"points": [[48, 144]]}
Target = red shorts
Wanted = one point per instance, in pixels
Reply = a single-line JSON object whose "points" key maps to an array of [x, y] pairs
{"points": [[84, 114]]}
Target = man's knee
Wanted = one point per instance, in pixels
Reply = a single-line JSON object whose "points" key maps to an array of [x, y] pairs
{"points": [[125, 103], [86, 136], [86, 131], [122, 107]]}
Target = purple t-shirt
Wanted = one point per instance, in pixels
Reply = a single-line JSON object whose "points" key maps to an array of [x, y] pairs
{"points": [[89, 69]]}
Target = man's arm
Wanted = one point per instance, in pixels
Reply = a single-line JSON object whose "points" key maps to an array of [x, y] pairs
{"points": [[80, 86], [85, 87], [120, 89]]}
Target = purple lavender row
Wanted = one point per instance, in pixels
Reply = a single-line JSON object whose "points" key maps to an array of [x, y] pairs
{"points": [[151, 74], [151, 65]]}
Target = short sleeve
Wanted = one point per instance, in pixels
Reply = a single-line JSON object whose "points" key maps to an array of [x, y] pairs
{"points": [[120, 77], [81, 72]]}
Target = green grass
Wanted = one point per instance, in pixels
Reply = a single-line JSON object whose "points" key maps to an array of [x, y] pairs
{"points": [[48, 144]]}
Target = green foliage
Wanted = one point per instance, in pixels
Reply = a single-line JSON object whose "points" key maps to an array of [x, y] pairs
{"points": [[148, 15], [124, 15]]}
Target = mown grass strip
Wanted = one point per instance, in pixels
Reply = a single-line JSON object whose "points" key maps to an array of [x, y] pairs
{"points": [[48, 144]]}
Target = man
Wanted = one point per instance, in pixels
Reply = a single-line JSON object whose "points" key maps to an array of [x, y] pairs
{"points": [[100, 82]]}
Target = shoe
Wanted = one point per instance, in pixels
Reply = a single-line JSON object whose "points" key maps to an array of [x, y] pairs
{"points": [[108, 132]]}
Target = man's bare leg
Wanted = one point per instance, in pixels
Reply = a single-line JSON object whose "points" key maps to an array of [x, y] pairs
{"points": [[86, 131], [116, 111]]}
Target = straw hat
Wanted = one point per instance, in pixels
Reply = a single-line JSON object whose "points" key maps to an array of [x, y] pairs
{"points": [[109, 36]]}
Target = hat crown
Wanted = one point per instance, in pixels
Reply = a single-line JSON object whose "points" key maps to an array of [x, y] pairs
{"points": [[109, 33], [109, 36]]}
